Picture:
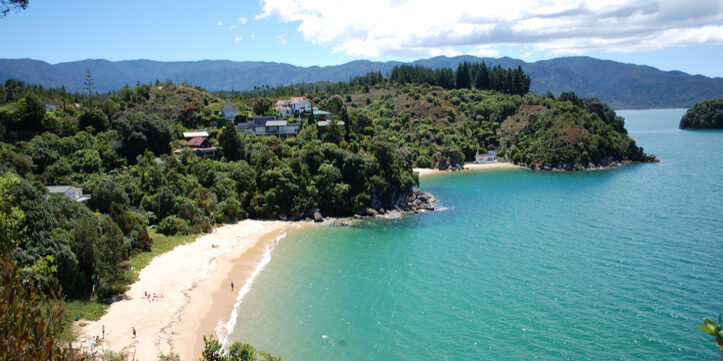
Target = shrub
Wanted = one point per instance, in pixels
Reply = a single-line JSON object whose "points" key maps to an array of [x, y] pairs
{"points": [[173, 225]]}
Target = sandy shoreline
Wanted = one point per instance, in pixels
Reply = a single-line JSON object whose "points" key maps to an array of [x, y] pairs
{"points": [[468, 166], [194, 280]]}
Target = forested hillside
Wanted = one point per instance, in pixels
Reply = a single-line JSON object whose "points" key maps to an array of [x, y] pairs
{"points": [[622, 86]]}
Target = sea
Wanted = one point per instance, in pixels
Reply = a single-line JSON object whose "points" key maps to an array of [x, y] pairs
{"points": [[618, 264]]}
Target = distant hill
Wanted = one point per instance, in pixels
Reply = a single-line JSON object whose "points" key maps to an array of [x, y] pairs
{"points": [[623, 86]]}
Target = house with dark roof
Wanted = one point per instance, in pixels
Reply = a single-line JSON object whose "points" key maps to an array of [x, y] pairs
{"points": [[200, 145], [269, 125]]}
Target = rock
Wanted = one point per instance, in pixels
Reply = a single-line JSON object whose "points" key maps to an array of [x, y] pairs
{"points": [[317, 217], [370, 212], [342, 223]]}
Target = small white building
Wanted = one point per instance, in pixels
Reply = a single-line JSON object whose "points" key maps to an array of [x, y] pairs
{"points": [[71, 192], [490, 157], [189, 135]]}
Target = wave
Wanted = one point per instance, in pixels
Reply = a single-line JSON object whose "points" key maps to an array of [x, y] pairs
{"points": [[224, 329]]}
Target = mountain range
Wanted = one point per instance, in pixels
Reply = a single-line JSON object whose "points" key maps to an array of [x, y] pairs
{"points": [[623, 86]]}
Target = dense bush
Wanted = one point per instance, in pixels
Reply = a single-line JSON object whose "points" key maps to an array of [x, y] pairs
{"points": [[704, 115]]}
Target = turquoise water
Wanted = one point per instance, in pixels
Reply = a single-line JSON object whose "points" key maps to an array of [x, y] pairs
{"points": [[599, 265]]}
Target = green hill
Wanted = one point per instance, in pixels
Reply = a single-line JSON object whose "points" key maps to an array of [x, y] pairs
{"points": [[622, 86], [704, 115]]}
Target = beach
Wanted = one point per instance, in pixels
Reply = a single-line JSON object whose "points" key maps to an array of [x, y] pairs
{"points": [[189, 292], [468, 166]]}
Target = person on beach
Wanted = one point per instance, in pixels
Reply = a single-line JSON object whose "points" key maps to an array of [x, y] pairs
{"points": [[134, 331], [103, 332], [231, 286]]}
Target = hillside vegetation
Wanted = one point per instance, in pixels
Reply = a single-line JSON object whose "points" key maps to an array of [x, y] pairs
{"points": [[622, 86], [118, 147], [704, 115]]}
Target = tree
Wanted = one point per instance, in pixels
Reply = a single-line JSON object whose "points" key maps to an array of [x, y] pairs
{"points": [[714, 329], [261, 105], [30, 113], [89, 86], [10, 217], [231, 143], [239, 351], [95, 119], [31, 323], [139, 132], [7, 5]]}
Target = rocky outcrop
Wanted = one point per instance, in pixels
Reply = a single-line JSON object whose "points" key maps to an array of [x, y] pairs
{"points": [[417, 201], [608, 163]]}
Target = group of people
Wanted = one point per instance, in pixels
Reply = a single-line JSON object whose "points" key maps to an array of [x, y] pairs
{"points": [[152, 297]]}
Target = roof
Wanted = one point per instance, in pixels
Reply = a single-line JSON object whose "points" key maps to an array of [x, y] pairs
{"points": [[195, 142], [276, 123], [320, 112], [58, 189], [294, 100], [325, 123], [195, 134]]}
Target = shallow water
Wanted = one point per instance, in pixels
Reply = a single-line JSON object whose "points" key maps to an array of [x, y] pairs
{"points": [[618, 264]]}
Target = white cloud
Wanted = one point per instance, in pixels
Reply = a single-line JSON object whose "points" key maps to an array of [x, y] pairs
{"points": [[220, 23], [412, 28], [281, 39], [238, 38], [243, 20], [232, 27], [252, 36]]}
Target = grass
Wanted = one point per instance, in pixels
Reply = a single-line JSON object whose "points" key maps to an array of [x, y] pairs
{"points": [[89, 310], [161, 244], [93, 309]]}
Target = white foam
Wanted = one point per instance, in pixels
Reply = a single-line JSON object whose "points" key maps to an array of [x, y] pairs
{"points": [[223, 330]]}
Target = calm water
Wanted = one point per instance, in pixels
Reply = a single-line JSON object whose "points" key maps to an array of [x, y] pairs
{"points": [[600, 265]]}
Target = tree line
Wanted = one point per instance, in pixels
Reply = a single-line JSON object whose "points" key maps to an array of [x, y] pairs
{"points": [[467, 76]]}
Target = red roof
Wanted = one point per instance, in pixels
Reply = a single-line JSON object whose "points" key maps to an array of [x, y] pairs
{"points": [[196, 142]]}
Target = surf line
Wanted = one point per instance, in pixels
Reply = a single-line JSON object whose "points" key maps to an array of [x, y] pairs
{"points": [[224, 329]]}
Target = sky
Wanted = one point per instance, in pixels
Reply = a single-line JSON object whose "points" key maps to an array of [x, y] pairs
{"points": [[684, 35]]}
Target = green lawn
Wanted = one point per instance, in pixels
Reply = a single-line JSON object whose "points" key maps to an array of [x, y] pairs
{"points": [[93, 310]]}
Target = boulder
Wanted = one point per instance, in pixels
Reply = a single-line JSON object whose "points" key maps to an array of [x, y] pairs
{"points": [[317, 217]]}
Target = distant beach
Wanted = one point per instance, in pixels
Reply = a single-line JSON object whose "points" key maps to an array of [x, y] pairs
{"points": [[189, 292], [468, 166]]}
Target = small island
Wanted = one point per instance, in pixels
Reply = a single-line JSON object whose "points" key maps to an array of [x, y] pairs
{"points": [[704, 115]]}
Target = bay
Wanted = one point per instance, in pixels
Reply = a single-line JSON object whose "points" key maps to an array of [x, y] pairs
{"points": [[616, 264]]}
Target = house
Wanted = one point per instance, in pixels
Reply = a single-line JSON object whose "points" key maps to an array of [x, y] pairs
{"points": [[71, 192], [294, 106], [228, 111], [490, 157], [269, 125], [321, 115], [323, 125], [198, 142]]}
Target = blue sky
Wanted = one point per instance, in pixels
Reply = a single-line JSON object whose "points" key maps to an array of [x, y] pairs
{"points": [[670, 35]]}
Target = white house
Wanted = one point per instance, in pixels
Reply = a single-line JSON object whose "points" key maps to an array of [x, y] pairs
{"points": [[293, 106], [71, 192], [490, 157]]}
